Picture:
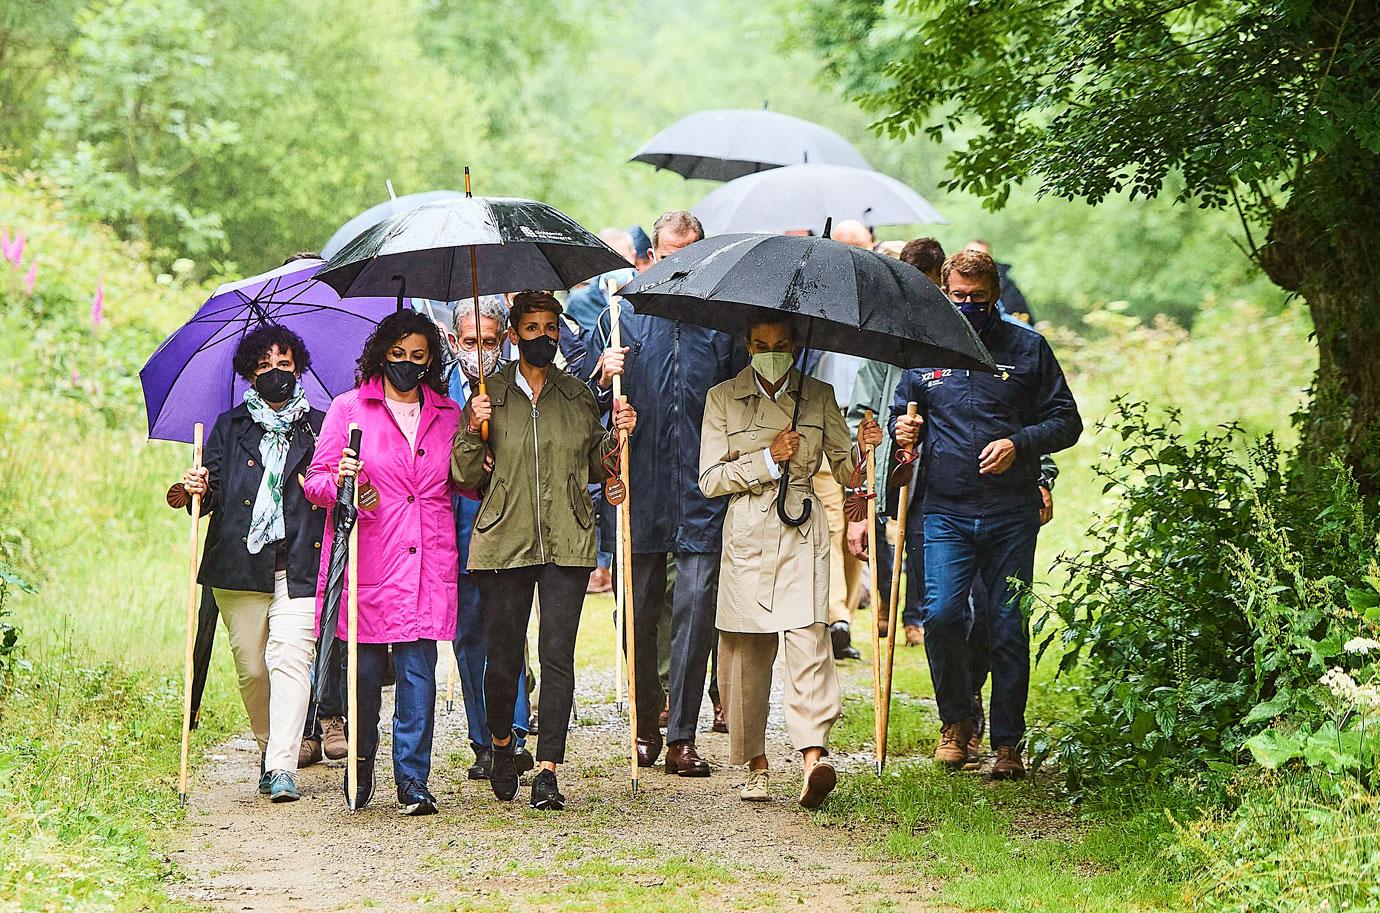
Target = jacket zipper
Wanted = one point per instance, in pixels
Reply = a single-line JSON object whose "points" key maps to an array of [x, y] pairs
{"points": [[536, 486]]}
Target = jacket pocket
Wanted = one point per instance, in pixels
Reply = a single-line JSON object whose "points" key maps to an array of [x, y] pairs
{"points": [[491, 511], [580, 503]]}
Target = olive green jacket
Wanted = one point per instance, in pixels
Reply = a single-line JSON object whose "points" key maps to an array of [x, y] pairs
{"points": [[536, 507]]}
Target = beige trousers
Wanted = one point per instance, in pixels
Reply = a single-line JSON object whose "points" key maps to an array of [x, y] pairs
{"points": [[845, 571], [810, 695], [272, 639]]}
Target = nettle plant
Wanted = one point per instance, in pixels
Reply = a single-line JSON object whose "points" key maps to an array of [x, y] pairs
{"points": [[1215, 602]]}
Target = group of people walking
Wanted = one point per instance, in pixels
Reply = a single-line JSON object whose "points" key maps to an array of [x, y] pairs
{"points": [[477, 504]]}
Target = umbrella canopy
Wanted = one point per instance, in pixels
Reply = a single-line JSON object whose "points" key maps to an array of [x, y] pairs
{"points": [[725, 144], [376, 214], [191, 377], [842, 298], [803, 196], [519, 244]]}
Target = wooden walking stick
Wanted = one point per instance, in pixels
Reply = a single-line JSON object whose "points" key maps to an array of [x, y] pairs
{"points": [[474, 296], [878, 726], [352, 639], [450, 682], [902, 514], [189, 656], [620, 672], [625, 584]]}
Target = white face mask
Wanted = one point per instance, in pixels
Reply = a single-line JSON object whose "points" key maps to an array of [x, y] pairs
{"points": [[469, 361], [772, 365]]}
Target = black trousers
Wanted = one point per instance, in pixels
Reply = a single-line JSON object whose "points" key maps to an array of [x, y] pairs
{"points": [[505, 602]]}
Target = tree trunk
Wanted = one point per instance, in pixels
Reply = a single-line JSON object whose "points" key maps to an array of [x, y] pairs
{"points": [[1323, 245]]}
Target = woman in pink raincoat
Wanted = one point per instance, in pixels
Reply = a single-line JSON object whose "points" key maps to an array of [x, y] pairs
{"points": [[407, 555]]}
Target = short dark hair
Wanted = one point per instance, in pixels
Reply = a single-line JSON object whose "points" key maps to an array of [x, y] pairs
{"points": [[771, 322], [925, 254], [531, 301], [302, 255], [257, 342], [392, 328], [677, 222]]}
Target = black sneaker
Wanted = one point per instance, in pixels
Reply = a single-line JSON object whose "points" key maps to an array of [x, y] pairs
{"points": [[524, 761], [415, 799], [483, 763], [364, 789], [545, 795], [503, 775]]}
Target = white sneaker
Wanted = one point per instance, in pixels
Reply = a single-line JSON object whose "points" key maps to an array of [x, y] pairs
{"points": [[755, 790]]}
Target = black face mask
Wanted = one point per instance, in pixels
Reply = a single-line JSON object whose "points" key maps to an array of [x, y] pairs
{"points": [[404, 375], [276, 385], [539, 351]]}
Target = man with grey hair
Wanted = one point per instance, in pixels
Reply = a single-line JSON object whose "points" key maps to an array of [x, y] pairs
{"points": [[668, 368], [476, 346]]}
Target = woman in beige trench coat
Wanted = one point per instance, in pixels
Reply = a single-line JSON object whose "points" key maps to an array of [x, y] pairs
{"points": [[774, 578]]}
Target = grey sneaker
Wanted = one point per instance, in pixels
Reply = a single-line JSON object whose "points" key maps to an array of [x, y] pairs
{"points": [[265, 778], [282, 788]]}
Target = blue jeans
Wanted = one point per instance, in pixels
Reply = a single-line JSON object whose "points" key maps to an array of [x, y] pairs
{"points": [[414, 705], [989, 551], [472, 656]]}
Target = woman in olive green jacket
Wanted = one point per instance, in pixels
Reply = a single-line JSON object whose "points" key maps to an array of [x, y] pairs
{"points": [[534, 530]]}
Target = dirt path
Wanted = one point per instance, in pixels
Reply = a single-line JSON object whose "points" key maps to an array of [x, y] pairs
{"points": [[689, 845]]}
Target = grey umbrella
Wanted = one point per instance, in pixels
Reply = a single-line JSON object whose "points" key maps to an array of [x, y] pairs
{"points": [[804, 196], [724, 144], [376, 214]]}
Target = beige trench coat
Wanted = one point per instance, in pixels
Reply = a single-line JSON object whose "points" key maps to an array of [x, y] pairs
{"points": [[772, 577]]}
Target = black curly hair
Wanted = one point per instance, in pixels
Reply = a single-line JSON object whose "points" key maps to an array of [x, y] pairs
{"points": [[256, 343], [392, 328]]}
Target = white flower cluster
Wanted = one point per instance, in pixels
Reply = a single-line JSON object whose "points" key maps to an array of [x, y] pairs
{"points": [[1345, 688], [1362, 645]]}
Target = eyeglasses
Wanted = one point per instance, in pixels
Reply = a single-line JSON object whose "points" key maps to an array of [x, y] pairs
{"points": [[968, 297]]}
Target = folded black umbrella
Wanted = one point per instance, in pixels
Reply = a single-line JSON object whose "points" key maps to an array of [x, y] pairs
{"points": [[206, 619], [836, 297], [343, 519]]}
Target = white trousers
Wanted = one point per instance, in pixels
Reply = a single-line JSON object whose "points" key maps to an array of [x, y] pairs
{"points": [[273, 639]]}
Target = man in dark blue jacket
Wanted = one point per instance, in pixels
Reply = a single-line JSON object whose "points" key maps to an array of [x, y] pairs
{"points": [[983, 436], [668, 368]]}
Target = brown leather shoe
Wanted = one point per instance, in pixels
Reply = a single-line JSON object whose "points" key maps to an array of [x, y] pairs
{"points": [[883, 620], [600, 581], [664, 718], [683, 760], [648, 750], [333, 742], [953, 744], [308, 753], [915, 635], [720, 721], [1008, 765]]}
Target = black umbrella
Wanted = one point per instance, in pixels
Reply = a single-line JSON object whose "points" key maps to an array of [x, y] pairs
{"points": [[725, 144], [836, 297], [377, 213], [342, 521], [206, 619], [517, 244]]}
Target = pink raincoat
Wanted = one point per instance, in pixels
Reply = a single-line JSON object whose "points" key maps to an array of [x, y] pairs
{"points": [[407, 556]]}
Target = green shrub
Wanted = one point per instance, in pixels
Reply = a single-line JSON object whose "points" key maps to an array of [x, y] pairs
{"points": [[1211, 602]]}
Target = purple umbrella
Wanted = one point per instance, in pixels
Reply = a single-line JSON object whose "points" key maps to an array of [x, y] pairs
{"points": [[191, 378]]}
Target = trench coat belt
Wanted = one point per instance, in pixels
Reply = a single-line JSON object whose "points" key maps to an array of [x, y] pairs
{"points": [[775, 534]]}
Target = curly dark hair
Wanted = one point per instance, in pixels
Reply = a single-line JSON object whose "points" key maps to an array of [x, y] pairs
{"points": [[392, 328], [256, 343]]}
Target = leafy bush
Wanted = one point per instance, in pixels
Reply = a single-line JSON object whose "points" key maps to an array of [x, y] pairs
{"points": [[1213, 600]]}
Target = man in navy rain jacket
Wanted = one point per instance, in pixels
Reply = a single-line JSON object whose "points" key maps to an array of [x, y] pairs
{"points": [[981, 439]]}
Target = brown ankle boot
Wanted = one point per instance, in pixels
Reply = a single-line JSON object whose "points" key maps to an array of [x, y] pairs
{"points": [[953, 744], [308, 753], [333, 743], [1008, 765]]}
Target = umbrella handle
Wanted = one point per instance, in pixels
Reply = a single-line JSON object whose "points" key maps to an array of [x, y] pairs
{"points": [[781, 510]]}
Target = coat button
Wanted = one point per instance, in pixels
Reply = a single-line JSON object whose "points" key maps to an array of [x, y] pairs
{"points": [[317, 545], [421, 451], [412, 549], [246, 502], [313, 507], [244, 539], [249, 463], [410, 499]]}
